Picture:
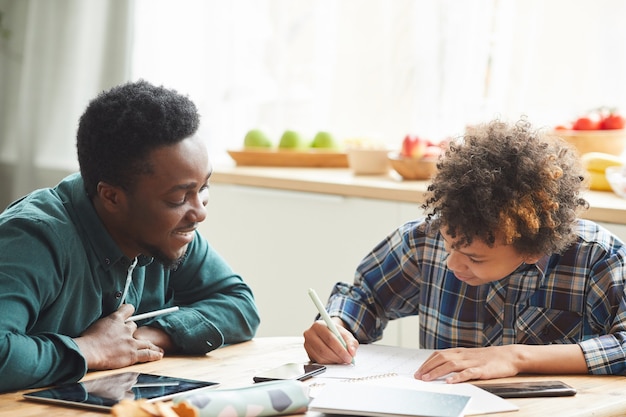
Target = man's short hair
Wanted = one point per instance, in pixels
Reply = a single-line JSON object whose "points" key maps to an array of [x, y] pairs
{"points": [[121, 126]]}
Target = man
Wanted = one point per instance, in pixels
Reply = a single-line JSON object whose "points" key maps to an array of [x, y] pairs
{"points": [[119, 238], [504, 277]]}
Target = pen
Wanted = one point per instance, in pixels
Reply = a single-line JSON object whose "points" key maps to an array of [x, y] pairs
{"points": [[331, 324], [151, 314]]}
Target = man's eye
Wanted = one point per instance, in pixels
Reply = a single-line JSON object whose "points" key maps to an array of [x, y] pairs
{"points": [[177, 200], [178, 203], [203, 193]]}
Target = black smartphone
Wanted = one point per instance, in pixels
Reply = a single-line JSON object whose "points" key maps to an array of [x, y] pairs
{"points": [[299, 371], [529, 389]]}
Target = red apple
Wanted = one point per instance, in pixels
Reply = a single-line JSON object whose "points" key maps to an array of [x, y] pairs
{"points": [[413, 146], [407, 146]]}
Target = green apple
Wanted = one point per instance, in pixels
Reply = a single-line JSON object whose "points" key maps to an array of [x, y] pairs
{"points": [[291, 140], [256, 138], [324, 140]]}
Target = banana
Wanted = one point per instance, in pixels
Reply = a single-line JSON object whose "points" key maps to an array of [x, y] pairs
{"points": [[596, 163], [598, 181]]}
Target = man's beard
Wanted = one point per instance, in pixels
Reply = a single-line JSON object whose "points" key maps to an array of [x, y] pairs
{"points": [[168, 263]]}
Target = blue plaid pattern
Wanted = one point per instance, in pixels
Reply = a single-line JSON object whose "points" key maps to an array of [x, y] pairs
{"points": [[574, 297]]}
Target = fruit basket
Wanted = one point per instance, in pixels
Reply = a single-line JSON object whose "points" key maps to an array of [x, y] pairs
{"points": [[606, 141], [413, 168]]}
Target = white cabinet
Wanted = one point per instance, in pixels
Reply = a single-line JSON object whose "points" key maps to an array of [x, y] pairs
{"points": [[284, 242]]}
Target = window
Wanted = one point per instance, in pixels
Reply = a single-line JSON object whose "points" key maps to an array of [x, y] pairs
{"points": [[380, 69]]}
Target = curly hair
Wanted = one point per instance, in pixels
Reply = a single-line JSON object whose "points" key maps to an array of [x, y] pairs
{"points": [[120, 128], [511, 184]]}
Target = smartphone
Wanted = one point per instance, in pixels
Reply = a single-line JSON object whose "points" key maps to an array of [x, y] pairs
{"points": [[529, 389], [299, 371]]}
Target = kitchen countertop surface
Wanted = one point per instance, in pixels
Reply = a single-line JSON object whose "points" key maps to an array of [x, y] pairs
{"points": [[605, 206]]}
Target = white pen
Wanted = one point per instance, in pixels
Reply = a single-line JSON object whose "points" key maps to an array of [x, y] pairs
{"points": [[331, 324], [151, 314]]}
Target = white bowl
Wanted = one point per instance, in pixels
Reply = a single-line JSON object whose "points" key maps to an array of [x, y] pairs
{"points": [[616, 176], [368, 161]]}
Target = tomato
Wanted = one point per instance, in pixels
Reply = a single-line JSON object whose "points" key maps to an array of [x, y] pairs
{"points": [[586, 123], [612, 121]]}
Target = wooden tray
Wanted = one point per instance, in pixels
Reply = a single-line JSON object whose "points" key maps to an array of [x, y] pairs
{"points": [[285, 158]]}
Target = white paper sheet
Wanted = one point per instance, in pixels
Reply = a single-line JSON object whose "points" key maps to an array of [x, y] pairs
{"points": [[375, 401], [393, 366]]}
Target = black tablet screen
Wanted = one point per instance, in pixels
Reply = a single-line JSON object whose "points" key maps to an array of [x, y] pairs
{"points": [[107, 391]]}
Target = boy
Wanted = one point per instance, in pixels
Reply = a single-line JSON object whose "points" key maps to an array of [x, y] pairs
{"points": [[504, 276]]}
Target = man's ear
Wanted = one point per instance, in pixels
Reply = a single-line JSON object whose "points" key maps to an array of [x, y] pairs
{"points": [[113, 198]]}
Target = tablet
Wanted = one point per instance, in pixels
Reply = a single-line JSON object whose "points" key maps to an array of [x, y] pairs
{"points": [[529, 389], [103, 393]]}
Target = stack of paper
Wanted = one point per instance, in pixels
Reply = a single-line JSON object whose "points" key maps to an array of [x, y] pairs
{"points": [[371, 400]]}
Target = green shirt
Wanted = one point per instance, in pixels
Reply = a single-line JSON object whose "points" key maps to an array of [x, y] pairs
{"points": [[60, 271]]}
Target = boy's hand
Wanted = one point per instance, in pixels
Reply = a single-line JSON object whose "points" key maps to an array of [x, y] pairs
{"points": [[322, 345]]}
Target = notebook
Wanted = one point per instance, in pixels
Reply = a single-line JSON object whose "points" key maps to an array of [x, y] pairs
{"points": [[374, 400]]}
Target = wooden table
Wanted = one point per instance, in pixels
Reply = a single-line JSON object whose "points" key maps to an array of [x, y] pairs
{"points": [[234, 366]]}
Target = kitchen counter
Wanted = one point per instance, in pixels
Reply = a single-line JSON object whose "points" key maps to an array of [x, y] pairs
{"points": [[604, 206], [301, 228]]}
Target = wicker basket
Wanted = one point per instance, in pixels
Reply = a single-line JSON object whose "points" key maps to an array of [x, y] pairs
{"points": [[606, 141], [413, 168]]}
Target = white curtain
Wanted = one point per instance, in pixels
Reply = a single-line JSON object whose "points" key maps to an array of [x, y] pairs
{"points": [[55, 55]]}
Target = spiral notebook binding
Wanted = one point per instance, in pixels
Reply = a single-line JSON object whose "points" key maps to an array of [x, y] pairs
{"points": [[370, 377]]}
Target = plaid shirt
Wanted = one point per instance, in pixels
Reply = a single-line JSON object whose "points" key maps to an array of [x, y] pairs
{"points": [[576, 297]]}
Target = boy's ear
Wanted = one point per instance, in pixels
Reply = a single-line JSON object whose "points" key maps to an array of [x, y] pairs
{"points": [[532, 259], [112, 197]]}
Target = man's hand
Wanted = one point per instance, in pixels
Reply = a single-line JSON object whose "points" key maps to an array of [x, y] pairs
{"points": [[322, 345], [156, 336], [109, 342]]}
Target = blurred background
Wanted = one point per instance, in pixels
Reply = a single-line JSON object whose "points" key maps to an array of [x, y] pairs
{"points": [[357, 68]]}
